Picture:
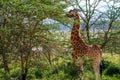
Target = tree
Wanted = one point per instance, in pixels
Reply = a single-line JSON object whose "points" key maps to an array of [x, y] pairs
{"points": [[111, 15], [23, 19]]}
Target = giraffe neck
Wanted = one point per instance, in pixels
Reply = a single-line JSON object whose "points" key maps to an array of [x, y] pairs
{"points": [[75, 34]]}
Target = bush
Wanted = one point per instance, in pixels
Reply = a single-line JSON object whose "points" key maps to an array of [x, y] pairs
{"points": [[71, 70], [113, 70], [15, 73], [105, 64], [38, 74]]}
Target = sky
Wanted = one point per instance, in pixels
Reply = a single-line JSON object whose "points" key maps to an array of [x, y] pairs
{"points": [[102, 6]]}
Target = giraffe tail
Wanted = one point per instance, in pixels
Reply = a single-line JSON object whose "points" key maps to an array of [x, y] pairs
{"points": [[101, 70]]}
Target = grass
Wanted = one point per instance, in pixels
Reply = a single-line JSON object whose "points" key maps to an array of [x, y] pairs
{"points": [[113, 58]]}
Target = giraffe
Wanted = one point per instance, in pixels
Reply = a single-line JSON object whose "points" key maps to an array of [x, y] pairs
{"points": [[81, 49]]}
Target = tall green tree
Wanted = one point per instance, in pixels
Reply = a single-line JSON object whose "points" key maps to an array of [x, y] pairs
{"points": [[22, 27]]}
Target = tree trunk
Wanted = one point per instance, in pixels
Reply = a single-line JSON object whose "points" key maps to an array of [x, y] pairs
{"points": [[24, 74], [5, 63], [106, 38], [87, 31]]}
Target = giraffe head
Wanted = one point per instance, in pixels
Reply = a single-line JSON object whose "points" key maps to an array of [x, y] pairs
{"points": [[72, 13]]}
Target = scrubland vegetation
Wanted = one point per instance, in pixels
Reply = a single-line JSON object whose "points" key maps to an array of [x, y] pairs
{"points": [[63, 69]]}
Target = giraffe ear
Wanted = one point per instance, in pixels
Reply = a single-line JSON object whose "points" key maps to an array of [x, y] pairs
{"points": [[75, 10]]}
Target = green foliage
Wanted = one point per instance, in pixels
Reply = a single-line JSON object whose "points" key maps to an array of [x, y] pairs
{"points": [[22, 27], [111, 66], [113, 70], [38, 74], [64, 69], [105, 64], [15, 74], [110, 69]]}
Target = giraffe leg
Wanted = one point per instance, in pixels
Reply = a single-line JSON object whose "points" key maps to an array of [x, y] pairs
{"points": [[81, 72], [74, 59], [96, 70], [81, 67]]}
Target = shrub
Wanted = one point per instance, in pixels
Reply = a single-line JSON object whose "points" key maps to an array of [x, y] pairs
{"points": [[71, 70], [38, 74], [15, 73], [105, 64], [113, 70]]}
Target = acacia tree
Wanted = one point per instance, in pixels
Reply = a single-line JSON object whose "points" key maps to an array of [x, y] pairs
{"points": [[111, 16], [24, 20]]}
